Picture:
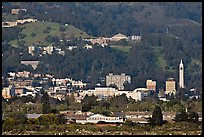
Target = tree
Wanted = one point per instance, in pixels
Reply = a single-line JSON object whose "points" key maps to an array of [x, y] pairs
{"points": [[157, 117], [193, 117], [182, 94], [181, 116], [127, 85], [46, 104]]}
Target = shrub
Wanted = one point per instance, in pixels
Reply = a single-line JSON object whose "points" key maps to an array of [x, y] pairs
{"points": [[8, 124]]}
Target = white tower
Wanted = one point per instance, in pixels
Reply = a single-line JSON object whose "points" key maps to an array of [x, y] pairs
{"points": [[181, 76]]}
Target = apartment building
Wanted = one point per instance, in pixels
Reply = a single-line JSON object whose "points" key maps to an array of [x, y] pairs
{"points": [[118, 80]]}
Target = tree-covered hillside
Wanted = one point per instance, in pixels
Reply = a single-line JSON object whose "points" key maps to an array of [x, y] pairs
{"points": [[182, 19]]}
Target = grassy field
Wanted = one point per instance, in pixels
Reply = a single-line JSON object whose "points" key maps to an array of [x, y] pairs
{"points": [[122, 48], [161, 61], [39, 28]]}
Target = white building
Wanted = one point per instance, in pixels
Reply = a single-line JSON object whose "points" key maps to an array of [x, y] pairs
{"points": [[103, 92], [95, 118], [31, 49], [134, 37]]}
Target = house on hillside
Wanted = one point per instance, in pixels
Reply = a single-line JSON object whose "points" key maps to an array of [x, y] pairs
{"points": [[118, 37]]}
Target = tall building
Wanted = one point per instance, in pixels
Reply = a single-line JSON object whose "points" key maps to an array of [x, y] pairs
{"points": [[31, 49], [151, 85], [118, 80], [181, 76], [170, 86]]}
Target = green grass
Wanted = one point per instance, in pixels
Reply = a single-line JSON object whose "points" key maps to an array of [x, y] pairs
{"points": [[122, 48], [39, 27], [161, 61], [9, 17]]}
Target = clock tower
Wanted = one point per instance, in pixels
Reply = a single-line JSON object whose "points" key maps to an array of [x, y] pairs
{"points": [[181, 76]]}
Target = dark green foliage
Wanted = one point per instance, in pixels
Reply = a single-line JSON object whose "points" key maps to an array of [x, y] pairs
{"points": [[88, 102], [181, 116], [157, 117], [86, 107], [106, 113], [129, 123], [61, 119], [119, 102], [55, 111], [48, 119], [46, 104], [193, 117]]}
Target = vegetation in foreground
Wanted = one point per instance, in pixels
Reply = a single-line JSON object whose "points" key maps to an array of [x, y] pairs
{"points": [[181, 128]]}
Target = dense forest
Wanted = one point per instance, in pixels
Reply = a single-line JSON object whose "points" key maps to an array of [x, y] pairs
{"points": [[170, 31]]}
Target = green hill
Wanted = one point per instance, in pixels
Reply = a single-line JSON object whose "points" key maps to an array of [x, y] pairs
{"points": [[37, 32]]}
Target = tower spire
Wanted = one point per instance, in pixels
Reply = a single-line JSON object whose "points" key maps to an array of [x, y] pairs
{"points": [[181, 75]]}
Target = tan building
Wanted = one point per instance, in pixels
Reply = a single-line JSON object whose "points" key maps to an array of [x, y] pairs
{"points": [[8, 92], [48, 49], [170, 86], [118, 80], [118, 37], [16, 11], [151, 85], [9, 24]]}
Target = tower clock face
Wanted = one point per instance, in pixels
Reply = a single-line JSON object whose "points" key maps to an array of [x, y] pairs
{"points": [[181, 68]]}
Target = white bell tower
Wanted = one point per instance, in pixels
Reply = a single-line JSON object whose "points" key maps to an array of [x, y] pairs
{"points": [[181, 76]]}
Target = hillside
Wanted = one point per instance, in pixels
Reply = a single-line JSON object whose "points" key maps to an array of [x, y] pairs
{"points": [[38, 31], [182, 19]]}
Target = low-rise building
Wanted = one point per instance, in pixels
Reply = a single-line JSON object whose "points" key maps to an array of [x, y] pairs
{"points": [[8, 92], [16, 11], [118, 37], [96, 118], [34, 64]]}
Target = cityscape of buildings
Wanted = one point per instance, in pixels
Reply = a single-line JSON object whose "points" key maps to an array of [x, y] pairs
{"points": [[20, 84]]}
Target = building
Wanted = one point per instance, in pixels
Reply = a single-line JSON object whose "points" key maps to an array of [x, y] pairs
{"points": [[118, 80], [134, 37], [118, 37], [34, 64], [135, 94], [96, 118], [26, 21], [9, 24], [170, 86], [181, 75], [31, 49], [102, 92], [86, 46], [16, 11], [32, 116], [48, 49], [8, 92], [23, 74], [142, 117], [151, 85]]}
